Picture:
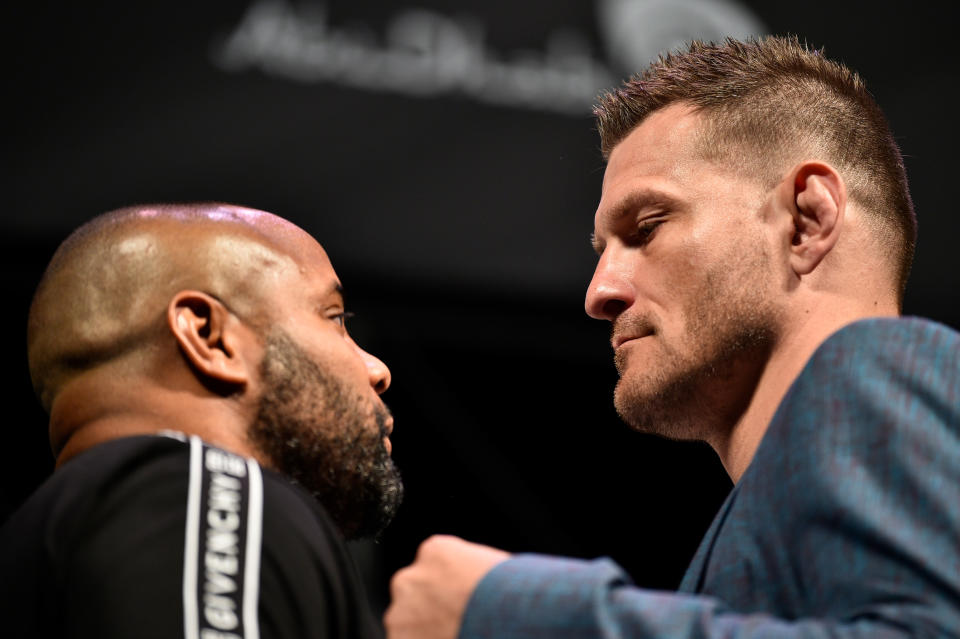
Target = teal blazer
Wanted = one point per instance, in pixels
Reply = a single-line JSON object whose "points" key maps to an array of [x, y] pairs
{"points": [[845, 524]]}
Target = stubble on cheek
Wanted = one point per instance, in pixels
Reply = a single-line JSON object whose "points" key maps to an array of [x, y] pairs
{"points": [[698, 383]]}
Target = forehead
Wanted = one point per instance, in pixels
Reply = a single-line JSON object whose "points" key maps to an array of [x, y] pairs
{"points": [[310, 264], [661, 149], [276, 258]]}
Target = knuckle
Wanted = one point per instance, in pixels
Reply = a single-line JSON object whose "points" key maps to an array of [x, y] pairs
{"points": [[426, 546], [435, 542], [397, 581]]}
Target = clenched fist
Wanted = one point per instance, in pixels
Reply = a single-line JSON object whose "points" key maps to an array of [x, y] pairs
{"points": [[429, 596]]}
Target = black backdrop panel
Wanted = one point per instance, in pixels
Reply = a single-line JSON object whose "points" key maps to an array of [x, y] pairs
{"points": [[444, 154]]}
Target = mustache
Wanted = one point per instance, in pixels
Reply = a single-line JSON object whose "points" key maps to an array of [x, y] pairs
{"points": [[627, 326], [382, 416]]}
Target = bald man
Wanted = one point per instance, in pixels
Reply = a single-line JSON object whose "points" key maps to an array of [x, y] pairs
{"points": [[216, 433]]}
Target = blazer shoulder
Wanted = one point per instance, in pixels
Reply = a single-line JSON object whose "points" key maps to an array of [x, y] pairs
{"points": [[883, 360], [905, 340], [873, 383]]}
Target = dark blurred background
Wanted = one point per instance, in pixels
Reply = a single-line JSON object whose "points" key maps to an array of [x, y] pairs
{"points": [[444, 154]]}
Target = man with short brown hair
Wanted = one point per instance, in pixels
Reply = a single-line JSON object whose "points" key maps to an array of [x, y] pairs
{"points": [[754, 235], [769, 105]]}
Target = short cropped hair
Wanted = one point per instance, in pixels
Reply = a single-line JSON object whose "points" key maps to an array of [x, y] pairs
{"points": [[772, 101]]}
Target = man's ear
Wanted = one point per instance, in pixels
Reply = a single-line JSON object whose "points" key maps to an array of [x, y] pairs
{"points": [[817, 198], [210, 337]]}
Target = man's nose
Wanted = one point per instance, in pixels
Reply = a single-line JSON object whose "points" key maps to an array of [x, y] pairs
{"points": [[611, 290], [377, 371]]}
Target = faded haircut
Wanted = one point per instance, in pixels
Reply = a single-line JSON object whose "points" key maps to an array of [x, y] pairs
{"points": [[768, 103]]}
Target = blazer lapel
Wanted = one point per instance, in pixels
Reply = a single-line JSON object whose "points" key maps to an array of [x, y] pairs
{"points": [[697, 570]]}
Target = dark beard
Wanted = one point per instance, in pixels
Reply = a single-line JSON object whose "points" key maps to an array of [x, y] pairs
{"points": [[315, 430]]}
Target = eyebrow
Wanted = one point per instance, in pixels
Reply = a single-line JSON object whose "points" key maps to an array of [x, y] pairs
{"points": [[338, 289], [633, 201]]}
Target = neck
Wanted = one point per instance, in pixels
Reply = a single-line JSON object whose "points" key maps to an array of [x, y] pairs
{"points": [[800, 339], [94, 408]]}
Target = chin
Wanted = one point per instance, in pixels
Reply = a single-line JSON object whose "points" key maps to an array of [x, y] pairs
{"points": [[656, 406]]}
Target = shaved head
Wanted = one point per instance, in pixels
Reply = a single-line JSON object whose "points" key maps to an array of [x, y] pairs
{"points": [[104, 294], [222, 322]]}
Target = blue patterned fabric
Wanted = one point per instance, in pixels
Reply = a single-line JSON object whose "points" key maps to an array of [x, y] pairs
{"points": [[846, 523]]}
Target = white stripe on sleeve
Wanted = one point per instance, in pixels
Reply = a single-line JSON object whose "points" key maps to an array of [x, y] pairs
{"points": [[191, 624], [251, 578]]}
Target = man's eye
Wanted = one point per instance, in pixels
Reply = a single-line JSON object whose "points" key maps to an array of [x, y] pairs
{"points": [[646, 230], [341, 318]]}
